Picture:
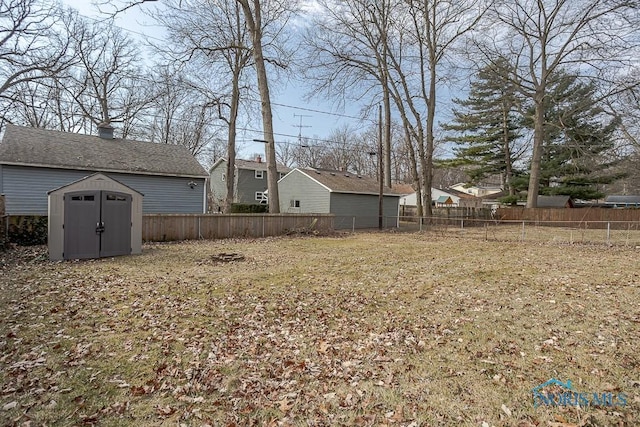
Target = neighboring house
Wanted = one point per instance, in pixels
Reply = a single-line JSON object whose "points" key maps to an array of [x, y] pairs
{"points": [[476, 190], [445, 198], [34, 161], [493, 200], [622, 201], [344, 194], [554, 202], [445, 202], [250, 181]]}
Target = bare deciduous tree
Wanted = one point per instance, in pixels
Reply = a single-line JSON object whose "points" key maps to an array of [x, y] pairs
{"points": [[106, 83], [32, 47], [207, 36], [348, 46], [543, 36], [258, 18]]}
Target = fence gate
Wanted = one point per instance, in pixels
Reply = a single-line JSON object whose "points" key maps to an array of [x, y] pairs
{"points": [[96, 224]]}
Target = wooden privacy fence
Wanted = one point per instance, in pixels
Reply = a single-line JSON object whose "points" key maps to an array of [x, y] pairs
{"points": [[578, 217], [220, 226], [409, 213], [3, 224]]}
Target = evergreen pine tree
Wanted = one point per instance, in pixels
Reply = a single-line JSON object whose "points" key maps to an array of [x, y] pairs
{"points": [[487, 127], [578, 138]]}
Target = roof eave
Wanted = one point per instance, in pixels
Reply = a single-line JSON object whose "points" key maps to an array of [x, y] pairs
{"points": [[366, 193], [93, 169]]}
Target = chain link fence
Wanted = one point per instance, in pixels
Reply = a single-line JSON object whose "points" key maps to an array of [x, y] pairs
{"points": [[618, 233]]}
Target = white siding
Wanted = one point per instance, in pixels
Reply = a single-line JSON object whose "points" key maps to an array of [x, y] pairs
{"points": [[217, 185], [313, 197]]}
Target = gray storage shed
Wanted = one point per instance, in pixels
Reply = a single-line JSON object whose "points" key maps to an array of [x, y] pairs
{"points": [[94, 217]]}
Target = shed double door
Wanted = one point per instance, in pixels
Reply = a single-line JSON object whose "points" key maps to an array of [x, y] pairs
{"points": [[96, 224]]}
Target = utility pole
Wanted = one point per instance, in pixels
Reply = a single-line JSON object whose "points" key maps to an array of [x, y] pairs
{"points": [[381, 170]]}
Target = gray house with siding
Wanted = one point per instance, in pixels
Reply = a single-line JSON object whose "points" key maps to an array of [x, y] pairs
{"points": [[250, 181], [34, 161], [349, 197]]}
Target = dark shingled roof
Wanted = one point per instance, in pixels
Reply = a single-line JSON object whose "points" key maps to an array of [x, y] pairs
{"points": [[26, 146], [345, 182], [553, 201], [622, 200], [255, 165]]}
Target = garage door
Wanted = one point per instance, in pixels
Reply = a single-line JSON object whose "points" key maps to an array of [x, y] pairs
{"points": [[96, 224]]}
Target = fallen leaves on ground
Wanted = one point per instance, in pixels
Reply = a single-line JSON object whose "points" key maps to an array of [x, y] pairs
{"points": [[371, 329]]}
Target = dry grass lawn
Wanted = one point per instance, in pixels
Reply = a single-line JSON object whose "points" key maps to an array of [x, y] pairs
{"points": [[369, 329]]}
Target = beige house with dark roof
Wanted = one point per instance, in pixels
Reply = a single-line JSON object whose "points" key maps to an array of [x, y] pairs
{"points": [[353, 199], [34, 161]]}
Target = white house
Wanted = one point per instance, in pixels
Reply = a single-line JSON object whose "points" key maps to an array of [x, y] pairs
{"points": [[352, 198]]}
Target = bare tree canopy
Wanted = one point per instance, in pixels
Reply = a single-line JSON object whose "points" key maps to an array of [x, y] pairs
{"points": [[593, 38], [31, 47]]}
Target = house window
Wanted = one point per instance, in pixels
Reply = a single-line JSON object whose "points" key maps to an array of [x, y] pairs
{"points": [[224, 177], [294, 203], [261, 197], [259, 174]]}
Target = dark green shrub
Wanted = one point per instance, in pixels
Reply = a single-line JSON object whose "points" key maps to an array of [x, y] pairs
{"points": [[249, 208], [27, 230]]}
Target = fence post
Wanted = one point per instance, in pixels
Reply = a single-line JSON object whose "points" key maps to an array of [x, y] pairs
{"points": [[353, 224], [262, 225], [462, 223], [420, 223], [608, 233], [522, 231]]}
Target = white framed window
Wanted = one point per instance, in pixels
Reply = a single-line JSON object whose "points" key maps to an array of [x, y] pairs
{"points": [[294, 203], [261, 197], [259, 174]]}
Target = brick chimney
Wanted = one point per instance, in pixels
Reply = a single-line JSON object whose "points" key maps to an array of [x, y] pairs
{"points": [[105, 130], [259, 159]]}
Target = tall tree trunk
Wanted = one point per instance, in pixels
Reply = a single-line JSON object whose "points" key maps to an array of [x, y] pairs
{"points": [[508, 168], [231, 143], [538, 143], [387, 137], [254, 22], [427, 172], [414, 173]]}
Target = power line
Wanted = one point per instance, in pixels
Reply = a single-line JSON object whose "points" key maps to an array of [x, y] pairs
{"points": [[329, 113]]}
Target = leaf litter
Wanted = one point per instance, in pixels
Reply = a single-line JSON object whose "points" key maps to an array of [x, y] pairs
{"points": [[368, 329]]}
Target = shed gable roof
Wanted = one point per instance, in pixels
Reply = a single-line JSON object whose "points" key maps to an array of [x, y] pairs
{"points": [[94, 177], [345, 182], [26, 146], [553, 201]]}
